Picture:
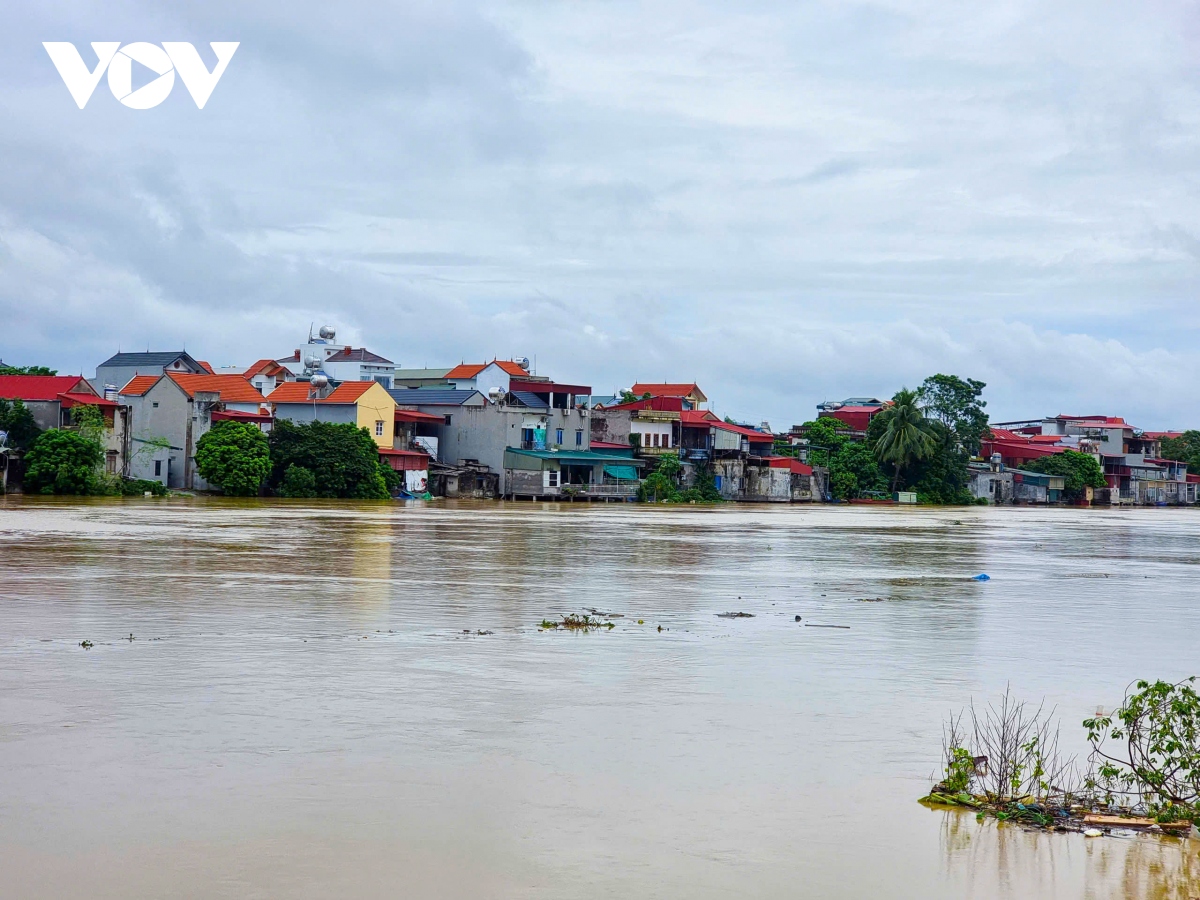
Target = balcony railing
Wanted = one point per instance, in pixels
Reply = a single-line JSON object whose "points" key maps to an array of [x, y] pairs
{"points": [[622, 491]]}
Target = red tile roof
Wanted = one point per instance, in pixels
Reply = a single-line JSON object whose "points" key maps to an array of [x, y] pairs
{"points": [[231, 388], [349, 391], [667, 390], [1161, 435], [470, 370], [138, 385], [264, 367], [662, 404], [40, 387], [206, 367], [298, 392], [698, 417]]}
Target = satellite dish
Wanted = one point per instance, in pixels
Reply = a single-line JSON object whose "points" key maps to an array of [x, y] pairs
{"points": [[327, 332], [319, 381]]}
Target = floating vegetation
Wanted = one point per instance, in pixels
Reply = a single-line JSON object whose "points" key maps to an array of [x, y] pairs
{"points": [[604, 615], [735, 615], [86, 645], [479, 632], [576, 622], [1005, 764]]}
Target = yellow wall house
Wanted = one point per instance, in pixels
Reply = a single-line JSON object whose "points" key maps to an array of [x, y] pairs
{"points": [[367, 404], [376, 408]]}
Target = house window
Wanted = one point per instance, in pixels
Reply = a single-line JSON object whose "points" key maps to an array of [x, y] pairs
{"points": [[579, 437], [447, 420], [558, 436], [552, 479], [379, 428], [155, 404], [157, 468]]}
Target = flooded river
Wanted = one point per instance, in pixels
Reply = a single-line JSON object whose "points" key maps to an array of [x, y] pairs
{"points": [[300, 712]]}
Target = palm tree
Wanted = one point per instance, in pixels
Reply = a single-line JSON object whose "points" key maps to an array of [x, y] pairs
{"points": [[907, 435]]}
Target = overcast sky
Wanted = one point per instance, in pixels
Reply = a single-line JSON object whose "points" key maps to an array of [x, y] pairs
{"points": [[786, 201]]}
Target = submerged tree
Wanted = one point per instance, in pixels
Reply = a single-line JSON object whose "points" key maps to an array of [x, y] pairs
{"points": [[1079, 470], [906, 436], [63, 462], [343, 459], [235, 457]]}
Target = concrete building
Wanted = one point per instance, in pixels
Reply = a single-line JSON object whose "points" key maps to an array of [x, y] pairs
{"points": [[366, 404], [650, 424], [118, 369], [339, 362], [569, 474], [170, 413], [689, 394], [51, 400], [266, 375]]}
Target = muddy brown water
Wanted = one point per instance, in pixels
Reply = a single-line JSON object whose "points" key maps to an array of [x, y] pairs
{"points": [[300, 715]]}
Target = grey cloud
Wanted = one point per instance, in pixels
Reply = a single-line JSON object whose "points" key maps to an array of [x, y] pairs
{"points": [[786, 201]]}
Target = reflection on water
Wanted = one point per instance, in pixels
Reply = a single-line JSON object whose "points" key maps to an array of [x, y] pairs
{"points": [[992, 859], [299, 712]]}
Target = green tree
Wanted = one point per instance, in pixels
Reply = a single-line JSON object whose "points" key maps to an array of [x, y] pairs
{"points": [[1079, 470], [1185, 448], [343, 459], [89, 421], [823, 439], [942, 476], [17, 421], [235, 457], [62, 462], [907, 436], [663, 482], [956, 404], [298, 482], [27, 370], [854, 472]]}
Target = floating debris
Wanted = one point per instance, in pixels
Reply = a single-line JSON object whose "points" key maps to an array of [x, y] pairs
{"points": [[870, 599], [797, 618], [575, 622], [735, 615], [811, 625], [982, 576], [604, 615], [86, 645], [479, 632]]}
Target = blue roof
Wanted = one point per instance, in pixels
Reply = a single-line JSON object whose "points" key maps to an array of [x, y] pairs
{"points": [[531, 400], [435, 396]]}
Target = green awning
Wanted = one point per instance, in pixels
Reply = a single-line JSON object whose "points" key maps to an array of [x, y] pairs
{"points": [[621, 473]]}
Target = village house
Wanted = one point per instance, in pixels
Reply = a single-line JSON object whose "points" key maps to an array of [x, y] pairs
{"points": [[170, 413], [51, 399], [118, 369], [338, 362], [266, 375], [690, 395], [365, 404]]}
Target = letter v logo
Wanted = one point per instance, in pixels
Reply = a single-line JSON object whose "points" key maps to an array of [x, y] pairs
{"points": [[80, 82], [196, 78]]}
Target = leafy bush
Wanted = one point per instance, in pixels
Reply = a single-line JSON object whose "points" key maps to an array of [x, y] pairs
{"points": [[663, 482], [235, 457], [298, 482], [1157, 731], [343, 459], [136, 487], [17, 421], [62, 462], [1080, 471]]}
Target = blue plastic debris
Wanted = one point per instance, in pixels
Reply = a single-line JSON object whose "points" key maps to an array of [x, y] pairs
{"points": [[982, 576]]}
